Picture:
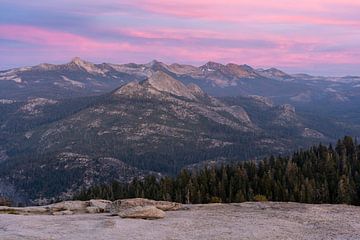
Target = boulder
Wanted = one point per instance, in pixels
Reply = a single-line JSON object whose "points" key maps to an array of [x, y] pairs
{"points": [[93, 210], [139, 212], [119, 205], [61, 208], [167, 206], [74, 206], [102, 205]]}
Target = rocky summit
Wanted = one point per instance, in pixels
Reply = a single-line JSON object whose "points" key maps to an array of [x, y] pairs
{"points": [[154, 85]]}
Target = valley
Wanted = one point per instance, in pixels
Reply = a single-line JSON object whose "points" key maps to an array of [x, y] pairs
{"points": [[158, 121]]}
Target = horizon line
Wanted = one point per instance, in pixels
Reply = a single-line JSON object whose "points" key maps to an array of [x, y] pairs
{"points": [[168, 64]]}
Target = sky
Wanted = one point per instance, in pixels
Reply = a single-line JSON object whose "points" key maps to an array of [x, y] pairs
{"points": [[320, 37]]}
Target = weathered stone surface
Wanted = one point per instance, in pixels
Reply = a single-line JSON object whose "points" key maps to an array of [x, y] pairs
{"points": [[92, 206], [103, 205], [24, 211], [167, 206], [122, 204], [75, 206], [267, 220], [146, 212], [93, 210], [66, 212], [60, 208]]}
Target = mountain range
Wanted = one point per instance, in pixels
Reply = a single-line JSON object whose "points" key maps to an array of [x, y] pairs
{"points": [[82, 78], [65, 127]]}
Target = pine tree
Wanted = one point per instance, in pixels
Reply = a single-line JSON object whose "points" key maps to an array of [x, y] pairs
{"points": [[318, 175]]}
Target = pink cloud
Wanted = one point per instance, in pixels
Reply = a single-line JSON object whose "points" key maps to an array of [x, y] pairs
{"points": [[49, 45], [50, 38], [63, 45], [286, 11], [186, 35], [322, 12]]}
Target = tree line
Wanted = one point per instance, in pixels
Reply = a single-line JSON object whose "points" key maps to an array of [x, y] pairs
{"points": [[321, 174]]}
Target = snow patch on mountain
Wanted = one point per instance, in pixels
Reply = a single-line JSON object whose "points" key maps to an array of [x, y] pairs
{"points": [[132, 69], [10, 77], [73, 82], [7, 101]]}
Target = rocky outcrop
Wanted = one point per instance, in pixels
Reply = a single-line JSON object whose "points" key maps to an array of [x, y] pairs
{"points": [[123, 204], [126, 208], [102, 205], [156, 85], [165, 83], [74, 206], [61, 208], [196, 90], [146, 212], [24, 210], [93, 210]]}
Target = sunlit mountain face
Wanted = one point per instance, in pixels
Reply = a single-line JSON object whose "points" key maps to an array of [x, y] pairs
{"points": [[79, 78]]}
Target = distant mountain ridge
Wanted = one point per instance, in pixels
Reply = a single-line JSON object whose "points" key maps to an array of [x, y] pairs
{"points": [[81, 78]]}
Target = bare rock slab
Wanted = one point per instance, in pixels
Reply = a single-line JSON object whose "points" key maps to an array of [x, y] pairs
{"points": [[66, 212], [258, 221]]}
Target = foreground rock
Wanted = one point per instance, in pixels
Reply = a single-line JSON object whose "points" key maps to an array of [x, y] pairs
{"points": [[91, 206], [147, 212], [100, 204], [24, 210], [73, 206], [270, 221], [120, 205], [61, 208]]}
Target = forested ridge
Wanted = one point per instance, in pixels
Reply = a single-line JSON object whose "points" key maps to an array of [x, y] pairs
{"points": [[321, 174]]}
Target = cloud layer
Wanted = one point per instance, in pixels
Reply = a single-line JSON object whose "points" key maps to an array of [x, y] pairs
{"points": [[317, 36]]}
